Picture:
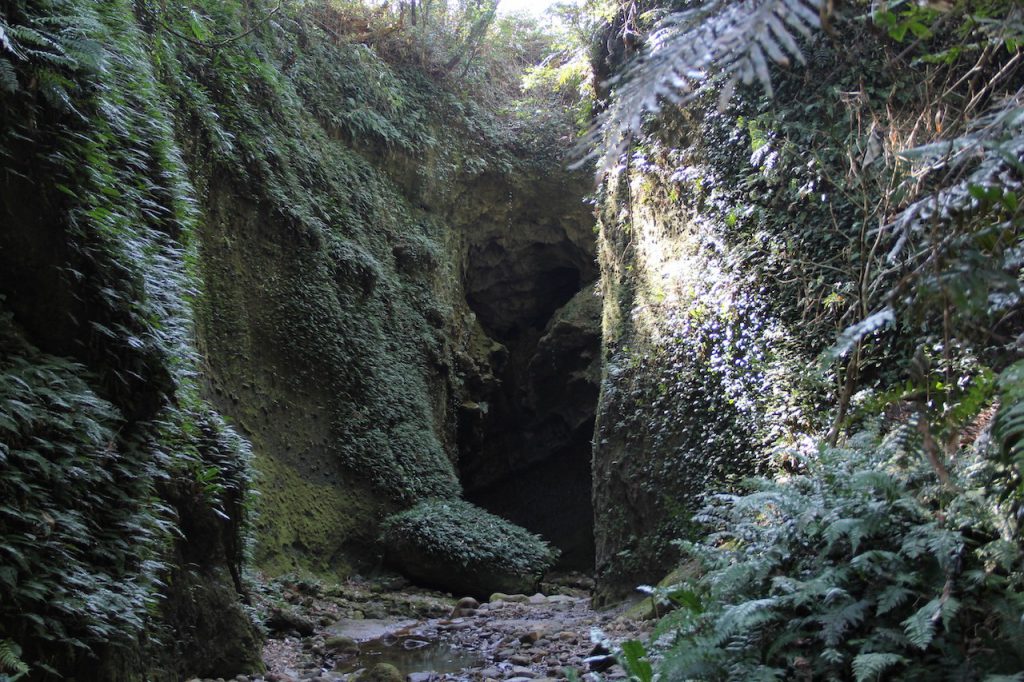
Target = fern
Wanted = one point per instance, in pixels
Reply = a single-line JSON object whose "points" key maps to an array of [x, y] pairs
{"points": [[737, 40], [873, 584], [868, 667], [1008, 430], [8, 77], [856, 333], [10, 659], [892, 597], [920, 627]]}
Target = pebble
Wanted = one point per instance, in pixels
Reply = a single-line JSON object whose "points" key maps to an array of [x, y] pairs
{"points": [[531, 636]]}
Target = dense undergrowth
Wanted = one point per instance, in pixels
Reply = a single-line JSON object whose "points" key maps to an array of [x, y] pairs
{"points": [[115, 473], [872, 209]]}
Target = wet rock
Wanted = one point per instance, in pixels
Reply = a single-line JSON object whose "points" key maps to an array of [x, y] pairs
{"points": [[365, 629], [511, 598], [491, 672], [381, 672], [531, 637], [283, 621], [340, 644], [463, 611], [420, 677]]}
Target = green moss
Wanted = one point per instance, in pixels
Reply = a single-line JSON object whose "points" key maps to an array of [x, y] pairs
{"points": [[304, 523], [330, 266], [116, 475], [457, 546], [463, 533]]}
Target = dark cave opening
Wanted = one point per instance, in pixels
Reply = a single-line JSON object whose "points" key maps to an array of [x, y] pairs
{"points": [[525, 447]]}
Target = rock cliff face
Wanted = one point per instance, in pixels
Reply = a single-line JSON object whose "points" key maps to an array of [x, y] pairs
{"points": [[374, 298], [123, 489], [726, 271], [372, 282], [692, 377]]}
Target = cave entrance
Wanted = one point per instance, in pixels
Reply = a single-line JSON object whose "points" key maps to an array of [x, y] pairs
{"points": [[526, 454]]}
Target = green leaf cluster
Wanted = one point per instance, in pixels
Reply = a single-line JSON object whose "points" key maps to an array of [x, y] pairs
{"points": [[857, 567]]}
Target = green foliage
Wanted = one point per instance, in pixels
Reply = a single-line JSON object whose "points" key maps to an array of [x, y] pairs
{"points": [[804, 212], [10, 662], [466, 535], [83, 530], [104, 442], [1007, 431], [857, 566], [634, 661], [737, 40]]}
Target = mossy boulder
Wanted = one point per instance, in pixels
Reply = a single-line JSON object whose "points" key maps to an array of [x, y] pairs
{"points": [[381, 672], [455, 546]]}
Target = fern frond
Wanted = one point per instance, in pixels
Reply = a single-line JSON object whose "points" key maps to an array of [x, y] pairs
{"points": [[892, 597], [735, 39], [871, 666], [10, 658], [744, 616], [8, 77], [836, 622], [856, 333], [852, 529], [920, 627]]}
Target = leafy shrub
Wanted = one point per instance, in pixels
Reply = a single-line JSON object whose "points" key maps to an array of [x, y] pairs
{"points": [[859, 565]]}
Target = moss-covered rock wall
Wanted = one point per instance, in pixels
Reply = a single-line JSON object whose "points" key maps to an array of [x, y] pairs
{"points": [[123, 491], [733, 248], [696, 381], [213, 218], [346, 213]]}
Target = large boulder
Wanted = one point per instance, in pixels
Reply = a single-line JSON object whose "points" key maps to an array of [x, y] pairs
{"points": [[455, 546]]}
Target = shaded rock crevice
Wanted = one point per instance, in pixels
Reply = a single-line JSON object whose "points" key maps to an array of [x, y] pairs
{"points": [[525, 435]]}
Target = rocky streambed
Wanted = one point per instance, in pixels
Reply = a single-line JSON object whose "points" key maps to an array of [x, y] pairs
{"points": [[379, 632]]}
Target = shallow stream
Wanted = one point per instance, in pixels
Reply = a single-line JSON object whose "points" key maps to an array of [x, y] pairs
{"points": [[412, 655]]}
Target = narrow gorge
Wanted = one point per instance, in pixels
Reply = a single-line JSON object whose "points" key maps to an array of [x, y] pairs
{"points": [[327, 353]]}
